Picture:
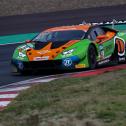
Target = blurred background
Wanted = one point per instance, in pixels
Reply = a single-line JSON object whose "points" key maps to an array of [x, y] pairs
{"points": [[19, 7]]}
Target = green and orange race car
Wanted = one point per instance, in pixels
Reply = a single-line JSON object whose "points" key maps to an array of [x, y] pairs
{"points": [[71, 47]]}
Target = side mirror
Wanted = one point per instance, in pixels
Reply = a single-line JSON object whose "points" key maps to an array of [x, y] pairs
{"points": [[101, 37], [28, 41]]}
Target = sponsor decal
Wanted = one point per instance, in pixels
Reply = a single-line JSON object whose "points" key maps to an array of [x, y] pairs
{"points": [[103, 61], [67, 62], [101, 52], [122, 58], [37, 58], [121, 45], [80, 66], [24, 47], [22, 55], [45, 57], [68, 52], [121, 34], [43, 52], [41, 58]]}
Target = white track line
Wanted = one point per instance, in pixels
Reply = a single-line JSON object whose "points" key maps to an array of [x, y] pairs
{"points": [[42, 79], [14, 89], [4, 103], [31, 81], [8, 96]]}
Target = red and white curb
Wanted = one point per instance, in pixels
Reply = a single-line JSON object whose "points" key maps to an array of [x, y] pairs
{"points": [[11, 91], [8, 94], [99, 71]]}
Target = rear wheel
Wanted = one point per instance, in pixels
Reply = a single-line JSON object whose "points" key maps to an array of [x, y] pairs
{"points": [[92, 57]]}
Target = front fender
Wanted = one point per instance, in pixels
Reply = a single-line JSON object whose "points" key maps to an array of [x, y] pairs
{"points": [[80, 49], [84, 60], [20, 53]]}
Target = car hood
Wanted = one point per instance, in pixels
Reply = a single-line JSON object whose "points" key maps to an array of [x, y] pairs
{"points": [[56, 44], [47, 51]]}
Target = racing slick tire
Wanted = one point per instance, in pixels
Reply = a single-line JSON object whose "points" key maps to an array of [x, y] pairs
{"points": [[92, 57]]}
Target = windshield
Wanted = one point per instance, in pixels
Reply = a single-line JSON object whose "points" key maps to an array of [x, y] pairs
{"points": [[60, 36]]}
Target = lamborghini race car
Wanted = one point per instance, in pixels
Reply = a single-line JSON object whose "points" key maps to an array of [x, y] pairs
{"points": [[71, 47]]}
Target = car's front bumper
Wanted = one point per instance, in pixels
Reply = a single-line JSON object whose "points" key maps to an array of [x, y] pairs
{"points": [[34, 65], [66, 63]]}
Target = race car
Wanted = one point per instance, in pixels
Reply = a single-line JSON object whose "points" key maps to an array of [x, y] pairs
{"points": [[70, 47]]}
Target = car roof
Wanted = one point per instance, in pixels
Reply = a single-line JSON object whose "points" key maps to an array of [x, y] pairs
{"points": [[73, 27]]}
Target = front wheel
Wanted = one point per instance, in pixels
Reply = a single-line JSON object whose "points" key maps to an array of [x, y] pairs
{"points": [[92, 57], [16, 71]]}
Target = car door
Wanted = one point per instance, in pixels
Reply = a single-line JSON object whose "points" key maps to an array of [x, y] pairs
{"points": [[105, 43]]}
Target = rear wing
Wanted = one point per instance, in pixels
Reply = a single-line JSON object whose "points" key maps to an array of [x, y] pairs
{"points": [[117, 25]]}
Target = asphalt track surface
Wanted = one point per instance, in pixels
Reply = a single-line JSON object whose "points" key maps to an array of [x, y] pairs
{"points": [[38, 22]]}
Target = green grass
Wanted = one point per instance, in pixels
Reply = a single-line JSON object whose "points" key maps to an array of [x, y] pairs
{"points": [[91, 101]]}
